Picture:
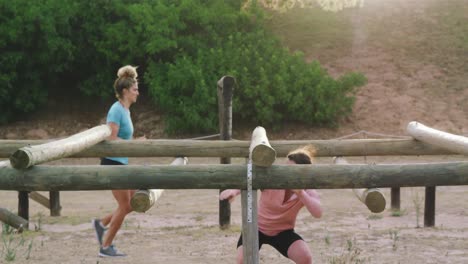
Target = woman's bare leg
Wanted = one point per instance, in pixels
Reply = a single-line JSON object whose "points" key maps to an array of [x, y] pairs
{"points": [[116, 219], [240, 255], [299, 252], [106, 219]]}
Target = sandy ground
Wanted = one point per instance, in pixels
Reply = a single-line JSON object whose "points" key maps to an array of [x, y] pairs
{"points": [[183, 228]]}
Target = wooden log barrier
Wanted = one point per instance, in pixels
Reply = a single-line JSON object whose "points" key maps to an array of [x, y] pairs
{"points": [[13, 220], [263, 155], [225, 89], [450, 142], [429, 206], [23, 200], [28, 156], [373, 198], [240, 148], [441, 139], [144, 199], [261, 152], [221, 176]]}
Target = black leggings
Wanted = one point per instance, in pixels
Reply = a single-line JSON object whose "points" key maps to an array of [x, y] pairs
{"points": [[280, 242]]}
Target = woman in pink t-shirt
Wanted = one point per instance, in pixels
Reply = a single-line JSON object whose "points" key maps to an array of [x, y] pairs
{"points": [[277, 212]]}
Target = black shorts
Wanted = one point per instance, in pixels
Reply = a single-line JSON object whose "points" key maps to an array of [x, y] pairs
{"points": [[280, 242], [105, 161]]}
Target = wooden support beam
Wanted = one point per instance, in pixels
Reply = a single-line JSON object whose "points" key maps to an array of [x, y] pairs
{"points": [[225, 88], [55, 207], [52, 204], [373, 198], [39, 198], [219, 176], [144, 199], [23, 205], [28, 156], [441, 139], [395, 198], [261, 152], [13, 220], [429, 206], [239, 148]]}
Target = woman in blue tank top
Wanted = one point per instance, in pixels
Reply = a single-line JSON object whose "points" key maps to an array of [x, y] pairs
{"points": [[120, 122]]}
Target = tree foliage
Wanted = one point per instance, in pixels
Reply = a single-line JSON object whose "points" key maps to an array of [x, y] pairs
{"points": [[182, 47]]}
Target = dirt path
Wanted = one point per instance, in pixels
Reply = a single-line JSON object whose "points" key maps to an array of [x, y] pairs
{"points": [[182, 228]]}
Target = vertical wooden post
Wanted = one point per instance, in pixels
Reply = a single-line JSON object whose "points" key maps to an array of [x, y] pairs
{"points": [[429, 206], [225, 93], [395, 197], [250, 230], [23, 205], [54, 199], [249, 220], [260, 154]]}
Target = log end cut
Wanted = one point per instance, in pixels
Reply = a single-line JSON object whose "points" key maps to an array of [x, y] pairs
{"points": [[142, 201], [263, 155], [375, 201], [20, 159]]}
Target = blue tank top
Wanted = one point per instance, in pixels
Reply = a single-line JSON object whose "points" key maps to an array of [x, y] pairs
{"points": [[121, 116]]}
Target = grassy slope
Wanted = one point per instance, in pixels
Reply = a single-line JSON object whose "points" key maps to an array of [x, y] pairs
{"points": [[414, 52]]}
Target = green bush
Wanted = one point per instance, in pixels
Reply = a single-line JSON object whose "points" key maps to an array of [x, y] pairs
{"points": [[182, 47], [273, 85], [34, 51]]}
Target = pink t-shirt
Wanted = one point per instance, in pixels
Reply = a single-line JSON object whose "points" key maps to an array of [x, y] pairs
{"points": [[274, 215]]}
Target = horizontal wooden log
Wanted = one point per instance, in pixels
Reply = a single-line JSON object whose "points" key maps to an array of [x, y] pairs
{"points": [[144, 199], [26, 157], [444, 140], [234, 148], [57, 178], [373, 198], [261, 152], [13, 220]]}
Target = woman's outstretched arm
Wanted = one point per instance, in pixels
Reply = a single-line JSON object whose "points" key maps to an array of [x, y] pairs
{"points": [[311, 201]]}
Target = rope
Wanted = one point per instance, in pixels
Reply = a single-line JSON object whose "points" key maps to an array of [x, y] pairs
{"points": [[367, 133], [203, 137]]}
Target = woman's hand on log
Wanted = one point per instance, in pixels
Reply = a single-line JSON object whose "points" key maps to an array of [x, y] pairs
{"points": [[229, 194]]}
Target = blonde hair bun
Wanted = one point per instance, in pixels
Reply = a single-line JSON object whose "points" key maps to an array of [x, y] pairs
{"points": [[127, 71], [303, 155]]}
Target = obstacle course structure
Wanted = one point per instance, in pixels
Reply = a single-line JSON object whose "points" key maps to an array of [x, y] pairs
{"points": [[263, 175], [25, 176]]}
